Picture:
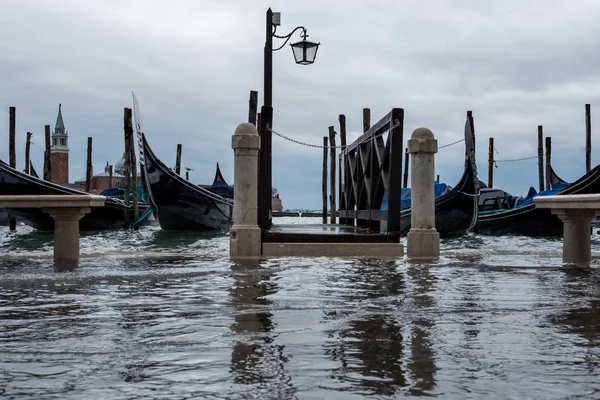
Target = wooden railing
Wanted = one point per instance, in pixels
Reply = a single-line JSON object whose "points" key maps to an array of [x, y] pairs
{"points": [[371, 168]]}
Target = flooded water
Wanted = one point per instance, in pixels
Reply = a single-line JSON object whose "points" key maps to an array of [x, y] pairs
{"points": [[158, 315]]}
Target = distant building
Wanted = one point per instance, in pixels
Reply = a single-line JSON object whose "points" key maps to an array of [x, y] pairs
{"points": [[103, 180], [59, 151], [276, 204]]}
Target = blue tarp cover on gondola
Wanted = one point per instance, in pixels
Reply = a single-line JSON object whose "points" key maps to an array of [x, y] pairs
{"points": [[438, 189], [119, 193]]}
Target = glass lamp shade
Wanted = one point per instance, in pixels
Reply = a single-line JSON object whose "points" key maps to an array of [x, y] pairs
{"points": [[305, 52]]}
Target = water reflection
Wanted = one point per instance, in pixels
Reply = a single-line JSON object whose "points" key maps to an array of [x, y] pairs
{"points": [[256, 360], [421, 365], [369, 345], [582, 289]]}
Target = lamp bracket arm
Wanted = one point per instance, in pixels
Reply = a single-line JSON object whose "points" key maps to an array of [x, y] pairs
{"points": [[289, 35]]}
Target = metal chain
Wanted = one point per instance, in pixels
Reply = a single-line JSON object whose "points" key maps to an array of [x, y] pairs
{"points": [[396, 123]]}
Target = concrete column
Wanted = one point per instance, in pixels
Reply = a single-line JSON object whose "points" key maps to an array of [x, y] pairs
{"points": [[245, 235], [577, 247], [66, 235], [423, 241]]}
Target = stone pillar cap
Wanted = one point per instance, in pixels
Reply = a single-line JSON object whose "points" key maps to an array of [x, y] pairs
{"points": [[246, 128], [422, 134]]}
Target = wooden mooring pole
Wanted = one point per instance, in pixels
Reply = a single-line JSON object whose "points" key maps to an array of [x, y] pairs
{"points": [[366, 119], [47, 155], [128, 131], [324, 185], [110, 176], [541, 157], [133, 171], [342, 121], [548, 163], [332, 169], [405, 178], [588, 138], [12, 156], [178, 159], [253, 107], [88, 168], [490, 181], [27, 149], [437, 179]]}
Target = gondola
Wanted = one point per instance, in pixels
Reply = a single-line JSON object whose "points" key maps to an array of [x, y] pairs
{"points": [[179, 204], [526, 219], [494, 200], [13, 182], [455, 210]]}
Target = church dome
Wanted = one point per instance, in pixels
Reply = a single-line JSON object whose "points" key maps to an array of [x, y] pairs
{"points": [[120, 165]]}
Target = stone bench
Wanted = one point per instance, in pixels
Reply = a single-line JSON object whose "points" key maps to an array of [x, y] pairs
{"points": [[577, 212], [66, 210]]}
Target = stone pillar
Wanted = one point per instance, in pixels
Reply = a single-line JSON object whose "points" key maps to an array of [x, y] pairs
{"points": [[423, 241], [245, 235], [66, 235], [577, 247]]}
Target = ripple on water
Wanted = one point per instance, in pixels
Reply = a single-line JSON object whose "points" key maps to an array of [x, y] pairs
{"points": [[494, 318]]}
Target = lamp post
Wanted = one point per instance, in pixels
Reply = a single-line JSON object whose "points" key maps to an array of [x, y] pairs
{"points": [[305, 53]]}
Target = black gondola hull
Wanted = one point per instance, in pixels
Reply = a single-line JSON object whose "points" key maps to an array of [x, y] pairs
{"points": [[456, 211], [179, 204], [13, 182], [532, 221]]}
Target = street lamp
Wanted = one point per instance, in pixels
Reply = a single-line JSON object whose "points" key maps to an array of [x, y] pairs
{"points": [[305, 53]]}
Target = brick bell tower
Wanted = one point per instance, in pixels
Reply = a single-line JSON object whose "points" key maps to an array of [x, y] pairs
{"points": [[59, 151]]}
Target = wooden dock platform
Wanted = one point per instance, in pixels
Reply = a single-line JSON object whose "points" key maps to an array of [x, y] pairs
{"points": [[322, 233], [324, 240]]}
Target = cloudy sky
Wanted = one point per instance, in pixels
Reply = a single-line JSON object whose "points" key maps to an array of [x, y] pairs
{"points": [[192, 63]]}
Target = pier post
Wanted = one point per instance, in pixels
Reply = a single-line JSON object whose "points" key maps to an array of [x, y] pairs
{"points": [[47, 155], [423, 241], [12, 156], [588, 138], [406, 160], [342, 166], [88, 168], [490, 181], [332, 167], [548, 163], [66, 235], [577, 247], [324, 180], [245, 234], [577, 212], [541, 158], [27, 151], [178, 160]]}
